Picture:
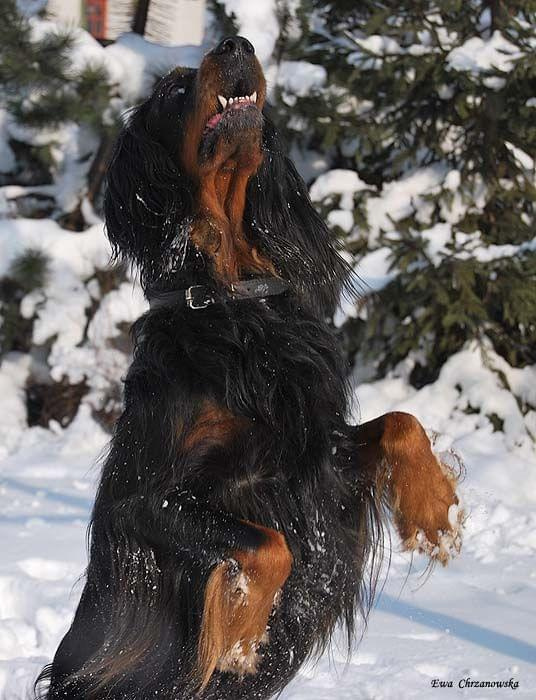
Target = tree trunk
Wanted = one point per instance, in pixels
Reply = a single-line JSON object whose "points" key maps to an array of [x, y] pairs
{"points": [[140, 17], [99, 166]]}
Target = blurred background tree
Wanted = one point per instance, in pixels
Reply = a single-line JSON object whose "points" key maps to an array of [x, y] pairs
{"points": [[48, 101], [444, 88]]}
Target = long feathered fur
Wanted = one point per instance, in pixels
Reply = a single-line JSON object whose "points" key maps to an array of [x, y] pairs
{"points": [[165, 515]]}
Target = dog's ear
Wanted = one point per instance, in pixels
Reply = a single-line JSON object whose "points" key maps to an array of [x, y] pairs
{"points": [[148, 198], [290, 230]]}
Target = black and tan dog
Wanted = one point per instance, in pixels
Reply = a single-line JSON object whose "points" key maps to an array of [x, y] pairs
{"points": [[238, 514]]}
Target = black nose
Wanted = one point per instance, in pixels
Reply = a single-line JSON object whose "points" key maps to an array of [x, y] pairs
{"points": [[234, 46]]}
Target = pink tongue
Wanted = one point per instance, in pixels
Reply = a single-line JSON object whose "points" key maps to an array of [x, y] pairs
{"points": [[214, 120]]}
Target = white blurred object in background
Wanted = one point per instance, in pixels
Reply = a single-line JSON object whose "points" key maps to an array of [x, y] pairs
{"points": [[168, 23]]}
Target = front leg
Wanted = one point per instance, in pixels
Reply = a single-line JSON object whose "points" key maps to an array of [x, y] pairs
{"points": [[395, 455], [249, 565], [240, 595], [174, 556]]}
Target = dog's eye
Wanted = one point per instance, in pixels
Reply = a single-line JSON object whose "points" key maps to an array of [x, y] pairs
{"points": [[175, 90]]}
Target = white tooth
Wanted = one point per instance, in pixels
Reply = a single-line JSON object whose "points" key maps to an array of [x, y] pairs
{"points": [[253, 97], [223, 101], [231, 100]]}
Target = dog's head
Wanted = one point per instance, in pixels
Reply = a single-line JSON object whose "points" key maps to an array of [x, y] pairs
{"points": [[199, 171], [212, 118]]}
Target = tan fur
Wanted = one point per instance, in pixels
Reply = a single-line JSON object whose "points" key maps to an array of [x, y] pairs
{"points": [[238, 605], [218, 227], [215, 424], [420, 489]]}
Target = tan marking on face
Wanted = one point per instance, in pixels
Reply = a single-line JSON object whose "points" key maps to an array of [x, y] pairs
{"points": [[222, 181]]}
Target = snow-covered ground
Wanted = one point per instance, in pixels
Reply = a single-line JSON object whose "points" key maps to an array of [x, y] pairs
{"points": [[474, 620]]}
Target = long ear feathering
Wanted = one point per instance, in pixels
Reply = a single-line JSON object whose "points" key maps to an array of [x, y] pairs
{"points": [[148, 200], [293, 234]]}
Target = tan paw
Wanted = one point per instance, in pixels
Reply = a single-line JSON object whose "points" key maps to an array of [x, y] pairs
{"points": [[429, 515], [239, 599], [423, 497], [446, 544]]}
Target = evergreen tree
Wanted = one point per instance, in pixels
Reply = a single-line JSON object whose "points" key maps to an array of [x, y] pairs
{"points": [[41, 91], [26, 273], [446, 88]]}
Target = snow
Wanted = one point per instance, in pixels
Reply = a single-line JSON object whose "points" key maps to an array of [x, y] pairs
{"points": [[523, 159], [372, 50], [405, 197], [85, 50], [345, 183], [79, 350], [257, 21], [373, 268], [379, 45], [122, 305], [475, 619], [402, 197], [70, 168], [97, 362], [139, 62], [299, 78], [437, 237], [73, 258], [342, 218], [470, 246], [13, 373], [477, 55], [132, 62]]}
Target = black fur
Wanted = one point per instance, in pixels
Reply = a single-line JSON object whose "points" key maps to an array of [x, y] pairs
{"points": [[164, 516]]}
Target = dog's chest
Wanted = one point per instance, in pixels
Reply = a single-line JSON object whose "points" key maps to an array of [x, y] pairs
{"points": [[279, 368], [282, 378]]}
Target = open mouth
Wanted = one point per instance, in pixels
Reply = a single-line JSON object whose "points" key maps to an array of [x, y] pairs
{"points": [[231, 105]]}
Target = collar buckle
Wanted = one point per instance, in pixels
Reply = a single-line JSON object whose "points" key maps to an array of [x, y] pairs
{"points": [[198, 297]]}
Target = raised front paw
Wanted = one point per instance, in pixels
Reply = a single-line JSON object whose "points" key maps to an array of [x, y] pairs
{"points": [[436, 528], [425, 506]]}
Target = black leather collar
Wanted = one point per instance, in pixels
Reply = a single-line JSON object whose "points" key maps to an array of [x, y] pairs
{"points": [[199, 296]]}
